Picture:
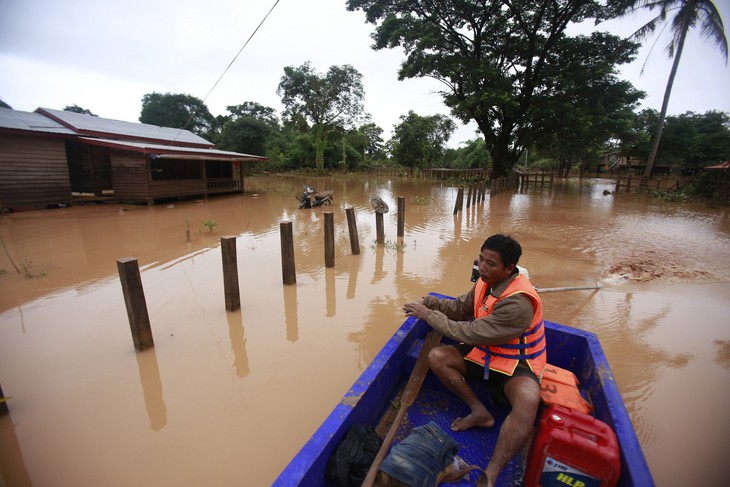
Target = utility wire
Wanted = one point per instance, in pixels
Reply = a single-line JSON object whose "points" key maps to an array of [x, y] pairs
{"points": [[233, 61]]}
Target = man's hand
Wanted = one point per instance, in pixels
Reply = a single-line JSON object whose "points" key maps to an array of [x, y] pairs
{"points": [[417, 309]]}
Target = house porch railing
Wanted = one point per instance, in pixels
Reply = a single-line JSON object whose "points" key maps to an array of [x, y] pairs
{"points": [[216, 185]]}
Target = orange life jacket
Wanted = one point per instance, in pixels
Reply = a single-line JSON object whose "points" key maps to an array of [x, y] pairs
{"points": [[530, 346]]}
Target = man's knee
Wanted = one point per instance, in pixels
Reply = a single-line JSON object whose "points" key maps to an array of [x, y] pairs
{"points": [[436, 357], [444, 356], [524, 395]]}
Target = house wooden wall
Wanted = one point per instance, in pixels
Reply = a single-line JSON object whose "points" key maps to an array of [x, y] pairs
{"points": [[133, 183], [33, 172], [130, 176], [89, 168]]}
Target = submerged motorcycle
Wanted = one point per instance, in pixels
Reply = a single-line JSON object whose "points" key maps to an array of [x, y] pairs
{"points": [[311, 197]]}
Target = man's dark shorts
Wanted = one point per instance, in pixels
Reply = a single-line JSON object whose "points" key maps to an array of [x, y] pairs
{"points": [[497, 380]]}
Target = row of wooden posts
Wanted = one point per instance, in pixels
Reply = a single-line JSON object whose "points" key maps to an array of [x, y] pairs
{"points": [[131, 280], [629, 182], [503, 184], [535, 178], [475, 193], [431, 173], [478, 191]]}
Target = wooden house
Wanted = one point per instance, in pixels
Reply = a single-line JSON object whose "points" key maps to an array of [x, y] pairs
{"points": [[129, 162], [33, 166]]}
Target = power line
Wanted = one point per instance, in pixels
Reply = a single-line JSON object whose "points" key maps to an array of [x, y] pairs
{"points": [[233, 61], [242, 48]]}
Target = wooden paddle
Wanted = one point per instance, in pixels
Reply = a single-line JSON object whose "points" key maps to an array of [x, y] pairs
{"points": [[420, 369]]}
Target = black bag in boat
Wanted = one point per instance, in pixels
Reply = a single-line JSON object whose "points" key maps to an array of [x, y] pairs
{"points": [[350, 463]]}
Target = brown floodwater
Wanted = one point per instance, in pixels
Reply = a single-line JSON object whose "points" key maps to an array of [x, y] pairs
{"points": [[228, 398]]}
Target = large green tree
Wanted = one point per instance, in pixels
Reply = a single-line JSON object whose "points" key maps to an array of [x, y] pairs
{"points": [[495, 58], [691, 140], [473, 155], [420, 141], [334, 99], [374, 145], [588, 109], [177, 110], [254, 110], [249, 128], [680, 16]]}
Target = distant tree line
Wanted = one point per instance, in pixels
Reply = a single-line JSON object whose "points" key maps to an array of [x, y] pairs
{"points": [[689, 141], [535, 93], [290, 142]]}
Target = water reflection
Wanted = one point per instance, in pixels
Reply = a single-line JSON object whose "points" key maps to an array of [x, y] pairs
{"points": [[722, 355], [236, 333], [378, 273], [330, 292], [355, 263], [291, 313], [149, 377]]}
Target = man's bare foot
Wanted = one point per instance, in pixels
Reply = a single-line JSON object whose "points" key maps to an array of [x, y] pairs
{"points": [[475, 419]]}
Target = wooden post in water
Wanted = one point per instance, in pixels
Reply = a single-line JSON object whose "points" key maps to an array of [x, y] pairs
{"points": [[618, 181], [352, 226], [459, 201], [628, 183], [401, 215], [379, 228], [468, 197], [230, 273], [139, 320], [288, 270], [329, 239]]}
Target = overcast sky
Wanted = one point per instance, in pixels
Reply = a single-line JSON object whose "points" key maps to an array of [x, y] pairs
{"points": [[104, 55]]}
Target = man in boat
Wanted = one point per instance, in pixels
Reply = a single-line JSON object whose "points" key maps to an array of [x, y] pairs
{"points": [[500, 329]]}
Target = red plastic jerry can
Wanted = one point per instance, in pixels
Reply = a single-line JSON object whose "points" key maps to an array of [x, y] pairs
{"points": [[572, 449]]}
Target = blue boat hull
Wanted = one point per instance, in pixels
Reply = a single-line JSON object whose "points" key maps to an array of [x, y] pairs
{"points": [[375, 391]]}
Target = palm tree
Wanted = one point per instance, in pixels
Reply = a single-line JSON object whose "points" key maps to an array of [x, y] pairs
{"points": [[685, 15]]}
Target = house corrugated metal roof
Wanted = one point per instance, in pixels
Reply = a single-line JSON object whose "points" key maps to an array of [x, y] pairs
{"points": [[172, 151], [31, 122], [91, 125]]}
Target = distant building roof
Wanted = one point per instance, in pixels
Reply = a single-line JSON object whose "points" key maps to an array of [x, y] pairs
{"points": [[30, 122], [162, 142], [172, 152], [91, 125]]}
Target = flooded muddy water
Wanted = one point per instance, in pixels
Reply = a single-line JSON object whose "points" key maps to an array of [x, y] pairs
{"points": [[228, 398]]}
